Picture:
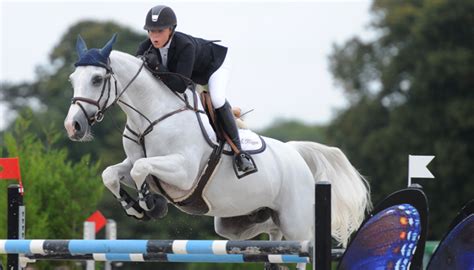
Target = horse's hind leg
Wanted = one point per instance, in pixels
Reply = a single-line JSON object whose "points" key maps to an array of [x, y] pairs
{"points": [[112, 176], [248, 226], [275, 234], [296, 222], [245, 227]]}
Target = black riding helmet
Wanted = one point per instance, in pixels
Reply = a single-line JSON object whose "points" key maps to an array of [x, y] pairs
{"points": [[160, 17]]}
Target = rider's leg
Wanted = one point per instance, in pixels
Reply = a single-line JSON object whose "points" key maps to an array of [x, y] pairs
{"points": [[217, 87], [227, 121]]}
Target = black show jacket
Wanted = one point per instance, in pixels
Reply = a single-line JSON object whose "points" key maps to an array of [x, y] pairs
{"points": [[195, 58]]}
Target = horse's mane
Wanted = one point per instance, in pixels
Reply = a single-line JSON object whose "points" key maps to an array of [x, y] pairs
{"points": [[124, 58], [119, 55]]}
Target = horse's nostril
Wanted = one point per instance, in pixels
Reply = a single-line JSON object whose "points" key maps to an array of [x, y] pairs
{"points": [[77, 127]]}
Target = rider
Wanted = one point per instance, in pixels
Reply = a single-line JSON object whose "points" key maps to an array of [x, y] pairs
{"points": [[201, 60]]}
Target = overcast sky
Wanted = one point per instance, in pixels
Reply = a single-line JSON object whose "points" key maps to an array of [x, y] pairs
{"points": [[280, 49]]}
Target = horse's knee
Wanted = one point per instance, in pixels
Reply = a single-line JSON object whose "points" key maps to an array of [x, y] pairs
{"points": [[111, 179], [140, 169]]}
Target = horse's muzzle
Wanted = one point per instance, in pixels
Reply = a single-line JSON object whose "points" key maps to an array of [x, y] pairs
{"points": [[77, 128]]}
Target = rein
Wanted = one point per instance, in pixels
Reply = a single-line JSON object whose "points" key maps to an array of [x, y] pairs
{"points": [[107, 87], [193, 202], [140, 138]]}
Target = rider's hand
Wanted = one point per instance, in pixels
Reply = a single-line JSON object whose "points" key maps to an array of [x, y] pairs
{"points": [[151, 59]]}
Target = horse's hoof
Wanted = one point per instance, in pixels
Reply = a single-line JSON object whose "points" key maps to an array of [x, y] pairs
{"points": [[159, 207], [142, 218], [274, 266], [136, 212]]}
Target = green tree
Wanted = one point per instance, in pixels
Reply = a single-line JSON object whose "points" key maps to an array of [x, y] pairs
{"points": [[49, 96], [294, 130], [59, 194], [410, 92]]}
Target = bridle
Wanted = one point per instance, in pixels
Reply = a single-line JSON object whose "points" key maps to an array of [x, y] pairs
{"points": [[107, 88], [101, 109], [139, 138]]}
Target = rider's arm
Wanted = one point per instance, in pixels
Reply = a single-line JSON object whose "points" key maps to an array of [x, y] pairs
{"points": [[184, 66]]}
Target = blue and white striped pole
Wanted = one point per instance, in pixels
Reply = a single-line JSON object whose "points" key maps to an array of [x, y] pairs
{"points": [[162, 257], [216, 247]]}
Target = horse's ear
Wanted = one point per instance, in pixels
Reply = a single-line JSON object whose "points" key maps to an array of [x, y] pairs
{"points": [[81, 46], [105, 51]]}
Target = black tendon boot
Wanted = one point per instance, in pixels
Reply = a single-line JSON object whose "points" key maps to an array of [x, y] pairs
{"points": [[226, 119]]}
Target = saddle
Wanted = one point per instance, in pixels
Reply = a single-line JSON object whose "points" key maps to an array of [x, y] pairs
{"points": [[251, 142], [194, 202]]}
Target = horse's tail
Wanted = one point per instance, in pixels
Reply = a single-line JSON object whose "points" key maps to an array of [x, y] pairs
{"points": [[350, 191]]}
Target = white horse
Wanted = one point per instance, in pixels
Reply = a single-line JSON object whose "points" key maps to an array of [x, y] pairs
{"points": [[177, 153]]}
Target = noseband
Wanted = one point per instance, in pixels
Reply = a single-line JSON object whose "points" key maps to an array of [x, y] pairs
{"points": [[99, 114]]}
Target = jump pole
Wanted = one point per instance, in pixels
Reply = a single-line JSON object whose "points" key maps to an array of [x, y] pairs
{"points": [[16, 222], [128, 246], [321, 251], [162, 257], [322, 233]]}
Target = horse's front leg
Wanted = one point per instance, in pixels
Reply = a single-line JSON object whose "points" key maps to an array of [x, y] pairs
{"points": [[112, 176], [172, 169]]}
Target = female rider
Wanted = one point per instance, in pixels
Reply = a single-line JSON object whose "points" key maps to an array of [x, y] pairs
{"points": [[201, 60]]}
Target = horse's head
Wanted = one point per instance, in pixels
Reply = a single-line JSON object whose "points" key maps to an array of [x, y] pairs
{"points": [[92, 90]]}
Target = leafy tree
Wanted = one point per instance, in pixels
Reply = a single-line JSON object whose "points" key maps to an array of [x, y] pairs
{"points": [[294, 130], [49, 98], [59, 194], [410, 91], [50, 94]]}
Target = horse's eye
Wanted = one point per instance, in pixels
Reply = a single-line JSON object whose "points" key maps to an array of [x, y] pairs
{"points": [[97, 80]]}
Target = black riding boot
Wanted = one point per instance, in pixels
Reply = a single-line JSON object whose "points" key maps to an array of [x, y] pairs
{"points": [[226, 119]]}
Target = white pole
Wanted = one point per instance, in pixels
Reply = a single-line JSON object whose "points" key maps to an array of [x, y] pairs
{"points": [[110, 234], [89, 234], [409, 170]]}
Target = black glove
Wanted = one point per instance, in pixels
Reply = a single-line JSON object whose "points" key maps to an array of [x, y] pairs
{"points": [[151, 60]]}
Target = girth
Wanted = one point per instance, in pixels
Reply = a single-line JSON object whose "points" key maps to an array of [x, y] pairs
{"points": [[194, 202]]}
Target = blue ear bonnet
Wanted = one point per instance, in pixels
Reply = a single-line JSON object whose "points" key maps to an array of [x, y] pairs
{"points": [[94, 57]]}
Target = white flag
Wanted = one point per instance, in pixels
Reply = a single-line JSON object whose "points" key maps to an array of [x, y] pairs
{"points": [[417, 166]]}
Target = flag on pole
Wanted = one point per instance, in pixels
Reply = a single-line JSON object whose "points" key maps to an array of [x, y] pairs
{"points": [[10, 169], [417, 167], [99, 220]]}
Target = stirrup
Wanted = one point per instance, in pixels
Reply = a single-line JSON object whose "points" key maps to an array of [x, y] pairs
{"points": [[241, 174]]}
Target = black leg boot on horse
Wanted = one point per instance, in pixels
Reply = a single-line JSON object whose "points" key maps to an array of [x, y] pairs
{"points": [[242, 160]]}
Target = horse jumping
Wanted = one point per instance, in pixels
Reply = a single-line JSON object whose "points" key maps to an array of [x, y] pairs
{"points": [[167, 152]]}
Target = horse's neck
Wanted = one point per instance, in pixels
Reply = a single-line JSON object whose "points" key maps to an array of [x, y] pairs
{"points": [[145, 94]]}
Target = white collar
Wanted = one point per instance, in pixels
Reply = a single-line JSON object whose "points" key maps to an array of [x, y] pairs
{"points": [[167, 46]]}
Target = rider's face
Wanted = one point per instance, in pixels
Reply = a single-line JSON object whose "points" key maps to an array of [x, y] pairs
{"points": [[159, 37]]}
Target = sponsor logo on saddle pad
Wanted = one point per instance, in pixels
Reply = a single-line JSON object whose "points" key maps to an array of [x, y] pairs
{"points": [[249, 140]]}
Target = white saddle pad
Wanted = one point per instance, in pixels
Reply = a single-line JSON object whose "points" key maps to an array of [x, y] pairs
{"points": [[249, 140]]}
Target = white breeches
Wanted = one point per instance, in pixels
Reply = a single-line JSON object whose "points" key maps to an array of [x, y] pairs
{"points": [[218, 82]]}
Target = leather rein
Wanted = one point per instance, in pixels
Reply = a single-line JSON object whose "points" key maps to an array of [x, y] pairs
{"points": [[105, 93], [194, 202]]}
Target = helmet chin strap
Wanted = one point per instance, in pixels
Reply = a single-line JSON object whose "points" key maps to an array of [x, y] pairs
{"points": [[171, 35]]}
